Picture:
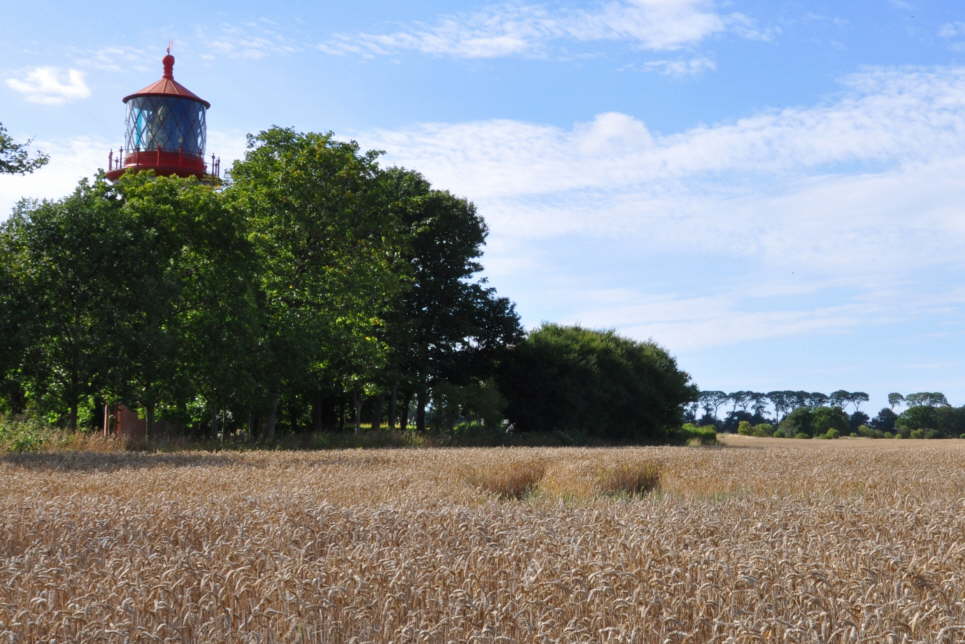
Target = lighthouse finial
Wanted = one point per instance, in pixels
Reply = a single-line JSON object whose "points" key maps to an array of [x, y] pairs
{"points": [[169, 62]]}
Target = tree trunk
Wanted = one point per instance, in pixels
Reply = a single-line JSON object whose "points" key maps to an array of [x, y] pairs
{"points": [[272, 421], [392, 400], [149, 424], [98, 418], [404, 417], [377, 413], [420, 411], [318, 415], [357, 404]]}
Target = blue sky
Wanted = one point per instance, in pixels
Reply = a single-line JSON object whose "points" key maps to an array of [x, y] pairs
{"points": [[771, 190]]}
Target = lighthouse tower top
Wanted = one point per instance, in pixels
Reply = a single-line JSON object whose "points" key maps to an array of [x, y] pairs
{"points": [[166, 131]]}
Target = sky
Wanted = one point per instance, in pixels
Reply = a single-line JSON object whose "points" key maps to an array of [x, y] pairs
{"points": [[774, 191]]}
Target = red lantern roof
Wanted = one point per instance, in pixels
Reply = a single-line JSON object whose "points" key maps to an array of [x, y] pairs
{"points": [[167, 86]]}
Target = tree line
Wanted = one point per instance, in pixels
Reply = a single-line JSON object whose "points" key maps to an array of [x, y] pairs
{"points": [[314, 291], [807, 414]]}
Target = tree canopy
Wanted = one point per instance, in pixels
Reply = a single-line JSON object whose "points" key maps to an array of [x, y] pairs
{"points": [[594, 382]]}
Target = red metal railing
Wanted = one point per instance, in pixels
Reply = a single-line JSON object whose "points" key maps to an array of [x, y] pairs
{"points": [[163, 163]]}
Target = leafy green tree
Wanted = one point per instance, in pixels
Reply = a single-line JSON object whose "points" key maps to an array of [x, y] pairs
{"points": [[190, 327], [916, 417], [15, 157], [814, 421], [885, 420], [444, 327], [594, 382], [825, 418], [324, 243], [857, 419], [63, 258]]}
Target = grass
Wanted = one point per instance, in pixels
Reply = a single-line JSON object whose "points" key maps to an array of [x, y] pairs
{"points": [[758, 540]]}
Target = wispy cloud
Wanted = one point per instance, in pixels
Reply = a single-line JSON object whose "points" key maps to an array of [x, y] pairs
{"points": [[862, 190], [680, 67], [533, 29], [50, 85], [251, 40], [952, 30]]}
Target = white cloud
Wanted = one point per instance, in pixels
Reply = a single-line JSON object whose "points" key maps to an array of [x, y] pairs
{"points": [[863, 191], [952, 29], [885, 118], [50, 85], [681, 67], [513, 29], [69, 162]]}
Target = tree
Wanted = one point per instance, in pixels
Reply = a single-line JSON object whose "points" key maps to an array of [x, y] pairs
{"points": [[443, 327], [885, 420], [781, 401], [595, 382], [15, 157], [927, 399], [740, 399], [817, 399], [324, 242], [814, 421], [922, 417], [895, 400], [856, 420], [758, 403], [62, 257], [710, 402], [858, 397], [839, 398]]}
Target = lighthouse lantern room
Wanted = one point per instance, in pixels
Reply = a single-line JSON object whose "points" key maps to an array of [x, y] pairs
{"points": [[165, 132]]}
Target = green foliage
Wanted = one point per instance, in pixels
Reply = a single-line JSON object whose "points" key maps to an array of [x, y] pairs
{"points": [[571, 378], [15, 157], [915, 418], [745, 428], [690, 434], [815, 421], [831, 433], [802, 435], [869, 432]]}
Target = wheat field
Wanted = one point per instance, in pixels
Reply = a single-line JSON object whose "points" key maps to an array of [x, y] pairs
{"points": [[759, 541]]}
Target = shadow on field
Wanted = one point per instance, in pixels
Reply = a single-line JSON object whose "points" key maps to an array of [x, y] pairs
{"points": [[114, 461]]}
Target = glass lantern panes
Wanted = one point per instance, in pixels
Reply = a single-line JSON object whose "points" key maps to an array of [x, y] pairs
{"points": [[166, 123]]}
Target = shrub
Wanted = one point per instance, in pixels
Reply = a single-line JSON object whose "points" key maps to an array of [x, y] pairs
{"points": [[917, 433], [631, 479], [868, 432], [831, 434], [744, 428], [802, 435], [764, 430], [779, 433], [691, 434], [507, 480]]}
